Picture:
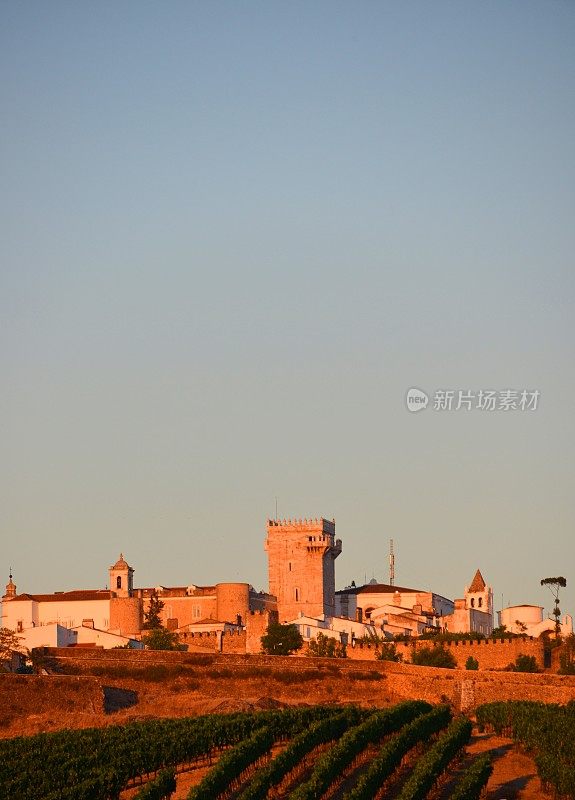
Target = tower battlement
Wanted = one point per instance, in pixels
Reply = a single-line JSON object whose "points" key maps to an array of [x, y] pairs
{"points": [[320, 525]]}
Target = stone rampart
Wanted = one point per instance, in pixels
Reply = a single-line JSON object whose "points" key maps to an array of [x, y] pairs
{"points": [[462, 688], [490, 653], [465, 689]]}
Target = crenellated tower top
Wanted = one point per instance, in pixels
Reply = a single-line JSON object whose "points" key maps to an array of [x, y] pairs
{"points": [[319, 522]]}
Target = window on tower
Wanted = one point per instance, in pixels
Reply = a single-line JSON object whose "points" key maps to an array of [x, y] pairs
{"points": [[119, 582]]}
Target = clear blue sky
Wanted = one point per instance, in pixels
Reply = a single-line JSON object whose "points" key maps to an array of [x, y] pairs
{"points": [[233, 235]]}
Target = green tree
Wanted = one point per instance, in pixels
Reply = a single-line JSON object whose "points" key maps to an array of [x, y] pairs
{"points": [[434, 657], [161, 639], [281, 640], [472, 663], [152, 618], [10, 643], [326, 647], [554, 585], [500, 632], [387, 651]]}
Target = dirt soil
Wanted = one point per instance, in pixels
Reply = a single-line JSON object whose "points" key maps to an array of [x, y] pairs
{"points": [[514, 772]]}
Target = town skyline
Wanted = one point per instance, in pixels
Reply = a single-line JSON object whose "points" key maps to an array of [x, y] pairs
{"points": [[386, 580]]}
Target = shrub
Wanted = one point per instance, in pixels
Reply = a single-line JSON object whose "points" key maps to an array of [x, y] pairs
{"points": [[434, 657], [281, 640], [161, 639], [523, 663], [199, 658], [296, 677], [387, 651], [472, 663], [357, 675], [155, 673], [326, 647]]}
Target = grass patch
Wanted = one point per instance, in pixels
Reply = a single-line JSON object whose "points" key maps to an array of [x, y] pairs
{"points": [[199, 659], [357, 675], [296, 677]]}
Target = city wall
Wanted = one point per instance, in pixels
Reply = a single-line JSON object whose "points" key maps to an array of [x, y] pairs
{"points": [[247, 640], [464, 689], [491, 654]]}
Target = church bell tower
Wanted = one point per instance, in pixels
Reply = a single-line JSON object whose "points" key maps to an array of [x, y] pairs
{"points": [[121, 578]]}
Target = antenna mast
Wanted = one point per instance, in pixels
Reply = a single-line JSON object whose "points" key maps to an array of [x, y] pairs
{"points": [[391, 564]]}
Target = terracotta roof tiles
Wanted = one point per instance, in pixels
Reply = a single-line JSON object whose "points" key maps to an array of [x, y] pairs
{"points": [[75, 595]]}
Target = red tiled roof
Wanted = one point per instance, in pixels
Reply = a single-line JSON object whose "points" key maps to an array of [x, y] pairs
{"points": [[75, 595]]}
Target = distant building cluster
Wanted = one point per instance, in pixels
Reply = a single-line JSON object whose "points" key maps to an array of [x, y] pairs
{"points": [[301, 564]]}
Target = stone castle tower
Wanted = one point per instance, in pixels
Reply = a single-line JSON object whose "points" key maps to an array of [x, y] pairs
{"points": [[478, 595], [301, 564]]}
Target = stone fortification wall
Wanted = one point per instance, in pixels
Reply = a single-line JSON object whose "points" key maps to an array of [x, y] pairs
{"points": [[256, 625], [466, 690], [492, 654], [247, 640], [463, 689], [215, 641]]}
